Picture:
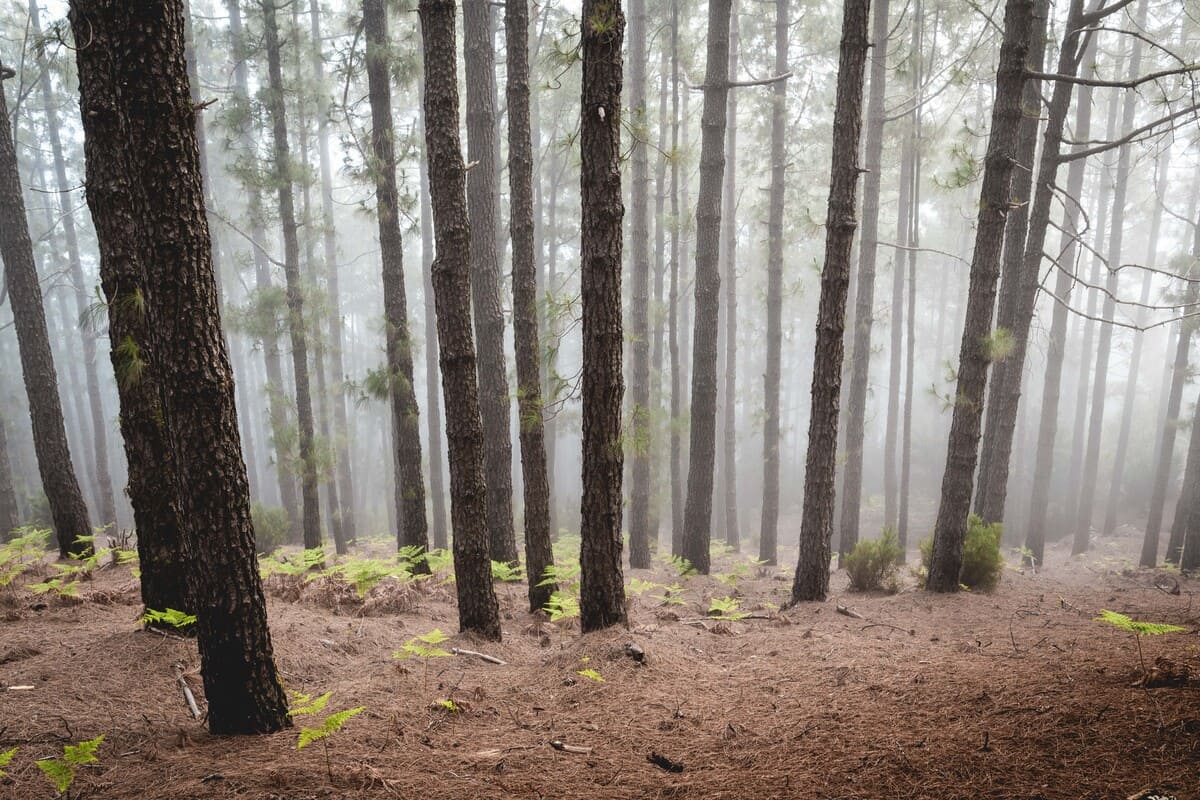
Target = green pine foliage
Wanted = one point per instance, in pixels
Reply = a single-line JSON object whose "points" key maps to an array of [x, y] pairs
{"points": [[982, 563], [872, 565]]}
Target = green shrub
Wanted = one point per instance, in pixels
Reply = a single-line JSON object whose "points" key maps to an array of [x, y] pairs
{"points": [[873, 564], [982, 562], [270, 527]]}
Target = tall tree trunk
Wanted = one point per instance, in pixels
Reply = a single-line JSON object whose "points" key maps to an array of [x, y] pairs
{"points": [[1091, 464], [406, 431], [658, 320], [602, 590], [553, 333], [1187, 511], [433, 404], [729, 275], [275, 391], [816, 523], [478, 611], [10, 513], [673, 347], [69, 512], [136, 66], [697, 517], [974, 356], [864, 299], [344, 512], [539, 553], [914, 243], [104, 488], [291, 269], [640, 438], [768, 537], [482, 147]]}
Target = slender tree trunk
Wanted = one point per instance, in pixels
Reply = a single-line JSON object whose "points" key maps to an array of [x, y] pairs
{"points": [[433, 404], [673, 347], [769, 524], [554, 334], [974, 356], [104, 487], [602, 590], [729, 275], [864, 299], [1187, 511], [816, 524], [10, 513], [914, 243], [658, 319], [539, 554], [478, 611], [67, 508], [136, 66], [482, 147], [697, 518], [640, 438]]}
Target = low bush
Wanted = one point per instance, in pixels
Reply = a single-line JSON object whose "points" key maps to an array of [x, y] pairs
{"points": [[873, 564], [982, 562], [270, 527]]}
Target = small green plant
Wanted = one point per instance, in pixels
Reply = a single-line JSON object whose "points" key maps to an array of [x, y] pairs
{"points": [[982, 561], [176, 619], [1138, 629], [6, 757], [638, 586], [683, 566], [438, 560], [448, 704], [61, 771], [591, 673], [424, 646], [507, 573], [725, 608], [21, 552], [365, 574], [873, 564], [562, 605], [671, 595], [739, 570], [328, 727], [270, 527]]}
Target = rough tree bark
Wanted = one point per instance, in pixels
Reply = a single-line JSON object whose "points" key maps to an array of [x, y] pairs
{"points": [[602, 590], [406, 432], [140, 69], [10, 513], [974, 357], [539, 553], [816, 524], [67, 508], [480, 66], [675, 454], [728, 270], [478, 611], [864, 299], [697, 515]]}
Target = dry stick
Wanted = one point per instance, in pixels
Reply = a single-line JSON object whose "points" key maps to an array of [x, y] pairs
{"points": [[570, 748], [909, 631], [187, 692], [484, 656], [849, 612]]}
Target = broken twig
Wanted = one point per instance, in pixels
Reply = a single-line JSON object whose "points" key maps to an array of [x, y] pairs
{"points": [[458, 651]]}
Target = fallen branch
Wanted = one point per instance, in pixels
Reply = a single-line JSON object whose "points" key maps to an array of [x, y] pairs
{"points": [[187, 692], [458, 651], [570, 748], [849, 612], [909, 631]]}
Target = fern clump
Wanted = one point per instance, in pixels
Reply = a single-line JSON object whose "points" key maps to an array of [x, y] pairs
{"points": [[328, 727], [873, 564], [725, 608], [982, 561], [61, 771]]}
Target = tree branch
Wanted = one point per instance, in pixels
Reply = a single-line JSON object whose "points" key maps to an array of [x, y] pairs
{"points": [[740, 84], [1097, 82], [1126, 139]]}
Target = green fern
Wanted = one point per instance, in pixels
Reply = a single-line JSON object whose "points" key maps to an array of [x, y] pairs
{"points": [[562, 606], [176, 619], [1138, 629], [61, 771], [328, 727], [424, 646], [449, 705], [638, 587], [591, 673], [6, 757], [725, 608], [507, 573]]}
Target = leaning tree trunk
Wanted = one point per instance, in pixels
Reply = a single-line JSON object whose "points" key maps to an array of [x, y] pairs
{"points": [[478, 611], [479, 61], [104, 487], [974, 355], [406, 432], [640, 438], [291, 270], [602, 590], [697, 515], [67, 508], [816, 523], [864, 299], [136, 66], [773, 375], [539, 553], [729, 264]]}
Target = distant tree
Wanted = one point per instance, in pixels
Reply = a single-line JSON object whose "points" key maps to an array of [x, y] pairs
{"points": [[602, 590], [816, 524], [10, 513], [67, 508], [478, 610], [975, 353], [134, 65]]}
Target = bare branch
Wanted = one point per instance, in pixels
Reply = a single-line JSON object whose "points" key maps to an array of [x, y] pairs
{"points": [[700, 87], [1097, 82], [1127, 138]]}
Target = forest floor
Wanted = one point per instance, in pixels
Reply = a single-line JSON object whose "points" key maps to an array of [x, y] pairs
{"points": [[1015, 694]]}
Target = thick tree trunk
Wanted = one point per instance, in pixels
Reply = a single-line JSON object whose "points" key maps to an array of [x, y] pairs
{"points": [[773, 375], [974, 356], [136, 65], [104, 487], [602, 590], [640, 436], [864, 299], [478, 611], [482, 147], [816, 524], [697, 516], [729, 276], [539, 553], [433, 403], [67, 508], [406, 431]]}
